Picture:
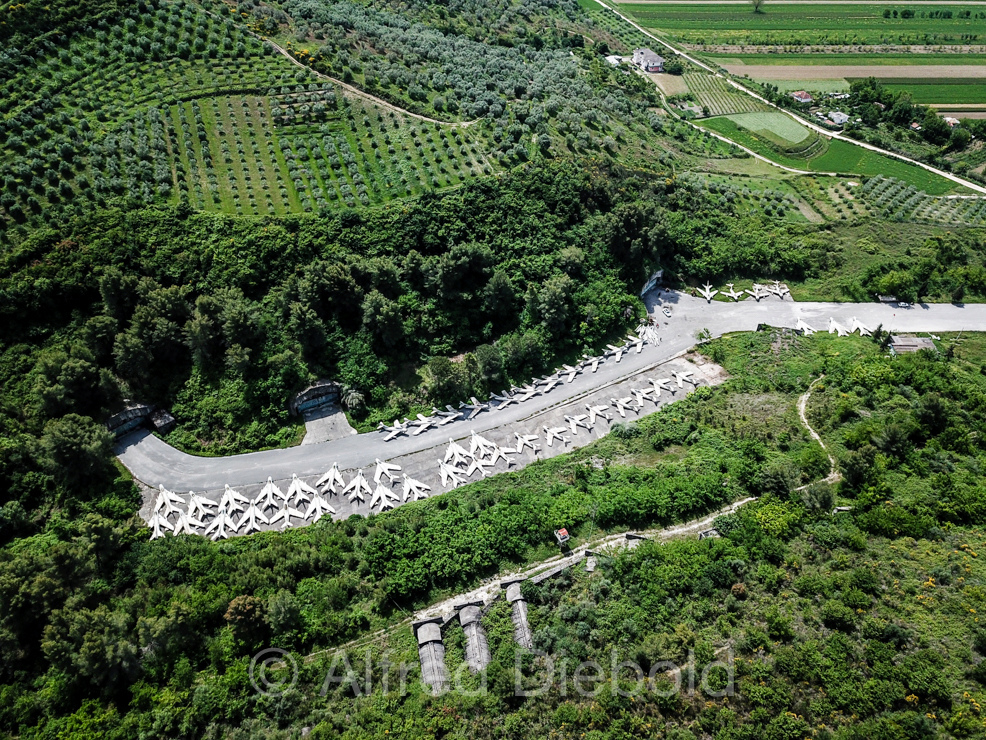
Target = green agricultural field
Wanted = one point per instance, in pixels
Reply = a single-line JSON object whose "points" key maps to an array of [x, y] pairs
{"points": [[936, 92], [718, 96], [778, 124], [709, 24], [889, 60], [837, 156], [814, 86]]}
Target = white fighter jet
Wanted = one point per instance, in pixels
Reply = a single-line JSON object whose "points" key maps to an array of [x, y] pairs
{"points": [[804, 328], [473, 408], [550, 382], [527, 440], [232, 501], [220, 527], [616, 351], [159, 524], [398, 428], [857, 325], [641, 395], [500, 452], [385, 469], [251, 520], [527, 392], [187, 524], [450, 475], [732, 293], [478, 465], [571, 372], [358, 487], [331, 479], [200, 507], [593, 363], [635, 342], [299, 490], [836, 328], [707, 292], [623, 405], [284, 515], [445, 417], [555, 433], [318, 508], [383, 497], [503, 399], [168, 501], [574, 422], [456, 454], [595, 411], [421, 424], [413, 489], [683, 375], [661, 384], [266, 497], [481, 445]]}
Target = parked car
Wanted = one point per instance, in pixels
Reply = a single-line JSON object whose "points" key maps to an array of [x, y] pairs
{"points": [[903, 304], [667, 312]]}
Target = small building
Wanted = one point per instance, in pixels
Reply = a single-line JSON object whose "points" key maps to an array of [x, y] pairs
{"points": [[802, 97], [915, 126], [614, 60], [899, 345], [887, 298], [562, 536], [162, 421], [953, 122], [838, 117], [648, 61]]}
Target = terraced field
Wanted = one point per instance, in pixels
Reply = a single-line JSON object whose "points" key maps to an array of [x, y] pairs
{"points": [[716, 94], [777, 127]]}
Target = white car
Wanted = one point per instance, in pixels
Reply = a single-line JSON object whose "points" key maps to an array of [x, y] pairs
{"points": [[667, 312], [902, 304]]}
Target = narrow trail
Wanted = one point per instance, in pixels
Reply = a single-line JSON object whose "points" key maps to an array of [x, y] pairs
{"points": [[808, 124], [834, 475]]}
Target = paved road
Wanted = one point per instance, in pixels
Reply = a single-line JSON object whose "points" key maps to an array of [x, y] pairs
{"points": [[152, 461]]}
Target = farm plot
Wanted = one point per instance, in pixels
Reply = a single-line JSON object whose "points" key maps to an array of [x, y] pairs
{"points": [[780, 130], [937, 91], [715, 94], [901, 201], [796, 24]]}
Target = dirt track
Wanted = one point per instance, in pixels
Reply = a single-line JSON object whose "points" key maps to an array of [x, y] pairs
{"points": [[839, 72]]}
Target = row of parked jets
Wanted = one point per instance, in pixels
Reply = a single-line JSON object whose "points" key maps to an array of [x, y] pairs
{"points": [[855, 325], [497, 401], [757, 292], [235, 513], [302, 503]]}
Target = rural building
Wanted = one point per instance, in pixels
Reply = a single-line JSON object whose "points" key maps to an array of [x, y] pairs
{"points": [[802, 97], [648, 61], [953, 122], [838, 117], [899, 345], [915, 126], [614, 60]]}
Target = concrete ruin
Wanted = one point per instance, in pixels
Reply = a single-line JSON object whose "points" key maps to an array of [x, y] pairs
{"points": [[431, 652], [477, 645], [518, 615]]}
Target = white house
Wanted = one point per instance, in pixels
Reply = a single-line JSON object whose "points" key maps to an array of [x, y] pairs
{"points": [[838, 117], [647, 60]]}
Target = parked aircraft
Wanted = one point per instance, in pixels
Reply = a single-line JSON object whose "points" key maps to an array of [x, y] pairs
{"points": [[456, 454], [683, 375], [623, 405], [804, 328], [199, 506], [318, 508], [284, 515], [232, 501], [732, 293], [571, 371], [527, 440], [220, 527], [358, 486], [450, 475], [331, 479], [595, 411], [385, 469], [251, 520], [616, 351], [300, 490], [503, 399], [480, 444], [574, 422], [555, 433], [187, 524], [392, 431], [707, 292], [383, 497], [661, 384], [414, 489], [267, 495], [446, 417], [159, 524], [473, 408], [168, 501]]}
